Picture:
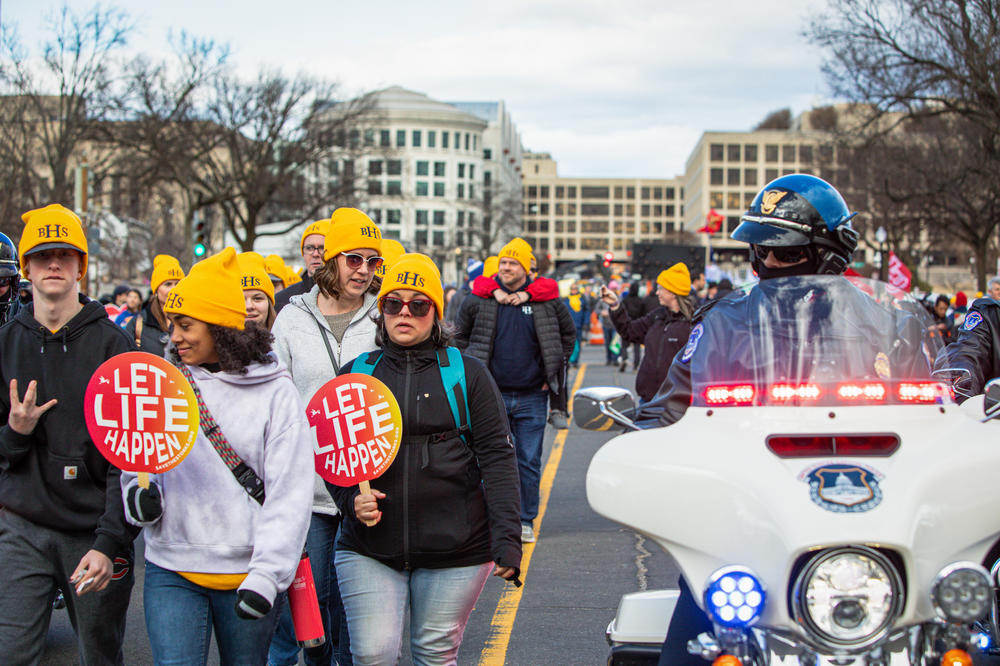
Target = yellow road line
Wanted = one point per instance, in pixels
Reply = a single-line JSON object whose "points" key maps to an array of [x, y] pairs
{"points": [[502, 625]]}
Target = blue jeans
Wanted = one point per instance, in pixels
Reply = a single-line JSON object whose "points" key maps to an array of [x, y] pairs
{"points": [[609, 336], [526, 412], [376, 598], [180, 617], [320, 543]]}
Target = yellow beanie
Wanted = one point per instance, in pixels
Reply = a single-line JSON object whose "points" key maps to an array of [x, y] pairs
{"points": [[275, 265], [52, 227], [391, 251], [350, 229], [518, 250], [291, 277], [676, 279], [165, 268], [416, 272], [320, 227], [491, 266], [253, 275], [211, 292]]}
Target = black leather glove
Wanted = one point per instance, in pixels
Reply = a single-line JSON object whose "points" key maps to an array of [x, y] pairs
{"points": [[251, 606], [144, 504]]}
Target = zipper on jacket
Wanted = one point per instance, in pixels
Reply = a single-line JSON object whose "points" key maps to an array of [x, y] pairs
{"points": [[406, 469]]}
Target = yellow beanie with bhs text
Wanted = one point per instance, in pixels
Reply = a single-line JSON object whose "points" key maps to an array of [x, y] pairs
{"points": [[165, 268], [52, 227], [350, 229], [253, 275], [518, 250], [318, 227], [211, 292], [676, 279], [391, 251], [416, 272]]}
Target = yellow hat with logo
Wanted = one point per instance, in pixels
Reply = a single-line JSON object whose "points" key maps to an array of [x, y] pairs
{"points": [[518, 250], [52, 228], [211, 292], [291, 277], [391, 251], [350, 229], [676, 279], [491, 266], [318, 227], [253, 275], [275, 266], [165, 268], [416, 272]]}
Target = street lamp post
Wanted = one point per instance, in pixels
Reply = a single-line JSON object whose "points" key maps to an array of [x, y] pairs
{"points": [[883, 269]]}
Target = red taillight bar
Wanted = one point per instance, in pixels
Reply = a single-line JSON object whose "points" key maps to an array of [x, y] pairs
{"points": [[730, 395], [815, 446]]}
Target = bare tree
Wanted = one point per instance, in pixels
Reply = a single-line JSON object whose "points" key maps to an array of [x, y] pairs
{"points": [[776, 120], [55, 102], [500, 218]]}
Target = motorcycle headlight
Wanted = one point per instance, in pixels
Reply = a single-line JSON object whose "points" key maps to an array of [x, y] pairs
{"points": [[734, 597], [848, 596], [961, 592]]}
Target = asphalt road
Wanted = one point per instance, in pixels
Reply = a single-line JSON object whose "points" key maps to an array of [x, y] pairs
{"points": [[579, 568]]}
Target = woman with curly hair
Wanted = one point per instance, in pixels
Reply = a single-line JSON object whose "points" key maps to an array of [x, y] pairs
{"points": [[217, 558], [315, 335]]}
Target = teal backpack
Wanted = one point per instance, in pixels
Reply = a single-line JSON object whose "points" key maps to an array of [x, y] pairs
{"points": [[452, 370]]}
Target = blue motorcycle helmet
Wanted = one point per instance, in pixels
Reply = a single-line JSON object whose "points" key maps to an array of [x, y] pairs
{"points": [[8, 275], [805, 215]]}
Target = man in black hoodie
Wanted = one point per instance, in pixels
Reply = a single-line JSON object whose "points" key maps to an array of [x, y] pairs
{"points": [[62, 525]]}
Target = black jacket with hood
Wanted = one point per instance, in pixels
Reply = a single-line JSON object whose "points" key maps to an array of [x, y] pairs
{"points": [[448, 503], [55, 476]]}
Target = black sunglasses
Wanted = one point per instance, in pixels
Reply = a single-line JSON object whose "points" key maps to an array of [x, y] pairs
{"points": [[786, 254], [418, 307], [354, 261]]}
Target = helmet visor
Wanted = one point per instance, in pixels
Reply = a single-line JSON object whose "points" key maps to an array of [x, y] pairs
{"points": [[758, 230]]}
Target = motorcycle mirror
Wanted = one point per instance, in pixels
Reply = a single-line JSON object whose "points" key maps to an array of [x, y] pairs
{"points": [[991, 400], [960, 380], [600, 407]]}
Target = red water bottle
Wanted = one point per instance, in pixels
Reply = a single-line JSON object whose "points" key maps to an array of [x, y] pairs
{"points": [[305, 606]]}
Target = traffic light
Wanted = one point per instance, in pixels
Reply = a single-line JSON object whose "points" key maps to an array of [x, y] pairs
{"points": [[200, 245], [608, 258]]}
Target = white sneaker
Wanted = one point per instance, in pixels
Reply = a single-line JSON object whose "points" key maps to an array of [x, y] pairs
{"points": [[527, 533]]}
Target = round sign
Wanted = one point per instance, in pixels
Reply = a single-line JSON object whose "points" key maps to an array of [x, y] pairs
{"points": [[357, 427], [141, 413]]}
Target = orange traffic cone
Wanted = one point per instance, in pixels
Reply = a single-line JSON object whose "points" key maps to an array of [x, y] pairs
{"points": [[596, 331]]}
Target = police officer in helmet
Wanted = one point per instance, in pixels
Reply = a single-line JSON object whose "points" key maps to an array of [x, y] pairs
{"points": [[9, 279], [796, 225]]}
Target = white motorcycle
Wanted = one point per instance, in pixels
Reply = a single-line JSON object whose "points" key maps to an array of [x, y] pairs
{"points": [[823, 493]]}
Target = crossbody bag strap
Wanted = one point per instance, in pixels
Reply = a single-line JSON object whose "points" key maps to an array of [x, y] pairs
{"points": [[329, 349], [244, 474], [138, 331]]}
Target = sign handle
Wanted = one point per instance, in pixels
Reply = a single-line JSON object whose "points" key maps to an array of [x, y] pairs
{"points": [[143, 478], [366, 489]]}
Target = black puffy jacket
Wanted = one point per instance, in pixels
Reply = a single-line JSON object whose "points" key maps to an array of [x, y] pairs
{"points": [[448, 503], [664, 333]]}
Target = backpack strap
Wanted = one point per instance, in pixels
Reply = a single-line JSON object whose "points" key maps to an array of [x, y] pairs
{"points": [[452, 369], [365, 364]]}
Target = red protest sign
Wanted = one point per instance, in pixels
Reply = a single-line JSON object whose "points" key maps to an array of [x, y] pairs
{"points": [[357, 427], [141, 413]]}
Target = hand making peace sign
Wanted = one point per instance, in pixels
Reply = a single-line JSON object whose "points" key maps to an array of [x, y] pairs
{"points": [[24, 415]]}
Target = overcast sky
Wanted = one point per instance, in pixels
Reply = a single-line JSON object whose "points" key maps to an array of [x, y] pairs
{"points": [[618, 88]]}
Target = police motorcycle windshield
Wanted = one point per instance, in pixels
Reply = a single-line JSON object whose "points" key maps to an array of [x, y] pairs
{"points": [[813, 340]]}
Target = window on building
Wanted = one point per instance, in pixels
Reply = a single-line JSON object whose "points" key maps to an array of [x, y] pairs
{"points": [[750, 177], [645, 210], [770, 174], [461, 218], [421, 218], [394, 187], [594, 209], [788, 153], [770, 153], [461, 174], [806, 154], [439, 218], [733, 200], [472, 192], [748, 199], [619, 208], [571, 192], [715, 199], [570, 243], [646, 193], [394, 216], [422, 167], [560, 191], [421, 188], [826, 154], [571, 209], [487, 178], [559, 226], [459, 238], [439, 169], [669, 210], [394, 234], [461, 191], [420, 237], [475, 142], [658, 210], [444, 139], [715, 176], [715, 152], [571, 226], [375, 168], [657, 193], [732, 176], [355, 138], [400, 138], [594, 192], [394, 167], [466, 140], [415, 139], [733, 152], [594, 226], [369, 137], [750, 152], [374, 187], [630, 193], [439, 189], [431, 139], [670, 193], [487, 154], [629, 209], [472, 176], [383, 138], [458, 143]]}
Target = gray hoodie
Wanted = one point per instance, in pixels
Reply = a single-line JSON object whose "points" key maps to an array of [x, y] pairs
{"points": [[299, 344], [209, 522]]}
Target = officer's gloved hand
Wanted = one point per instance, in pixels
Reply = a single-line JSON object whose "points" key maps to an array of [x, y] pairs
{"points": [[251, 606], [144, 505]]}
